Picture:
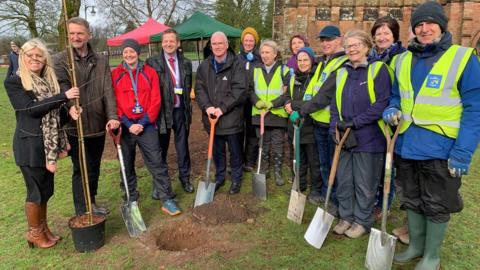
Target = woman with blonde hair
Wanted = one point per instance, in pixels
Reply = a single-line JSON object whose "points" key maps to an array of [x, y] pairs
{"points": [[38, 140]]}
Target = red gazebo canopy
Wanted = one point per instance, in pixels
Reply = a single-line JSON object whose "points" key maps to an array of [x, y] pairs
{"points": [[141, 34]]}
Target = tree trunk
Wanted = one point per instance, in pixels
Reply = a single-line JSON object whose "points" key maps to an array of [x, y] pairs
{"points": [[73, 9]]}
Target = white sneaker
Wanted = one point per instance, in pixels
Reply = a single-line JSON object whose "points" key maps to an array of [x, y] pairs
{"points": [[341, 227]]}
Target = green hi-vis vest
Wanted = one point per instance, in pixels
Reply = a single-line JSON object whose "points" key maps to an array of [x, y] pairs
{"points": [[271, 91], [438, 106], [342, 75], [323, 115]]}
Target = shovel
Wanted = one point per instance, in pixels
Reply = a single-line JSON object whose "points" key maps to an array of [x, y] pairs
{"points": [[296, 205], [259, 182], [322, 220], [130, 211], [381, 245], [206, 190]]}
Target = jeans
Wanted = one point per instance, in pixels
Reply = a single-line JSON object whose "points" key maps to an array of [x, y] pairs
{"points": [[325, 148]]}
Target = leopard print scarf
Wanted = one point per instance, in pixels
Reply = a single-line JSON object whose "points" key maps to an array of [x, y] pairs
{"points": [[54, 139]]}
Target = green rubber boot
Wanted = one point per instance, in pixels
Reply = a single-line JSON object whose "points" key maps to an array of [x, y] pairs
{"points": [[433, 243], [417, 230]]}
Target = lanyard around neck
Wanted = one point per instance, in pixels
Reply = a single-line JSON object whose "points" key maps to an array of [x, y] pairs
{"points": [[177, 79], [134, 81]]}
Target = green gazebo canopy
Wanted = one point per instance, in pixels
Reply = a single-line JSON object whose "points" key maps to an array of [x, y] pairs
{"points": [[200, 26]]}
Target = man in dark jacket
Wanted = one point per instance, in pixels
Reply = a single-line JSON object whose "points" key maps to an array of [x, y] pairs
{"points": [[13, 59], [98, 108], [220, 91], [175, 74]]}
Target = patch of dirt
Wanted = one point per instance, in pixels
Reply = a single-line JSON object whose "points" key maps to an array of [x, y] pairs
{"points": [[182, 236], [197, 142], [228, 209], [172, 243]]}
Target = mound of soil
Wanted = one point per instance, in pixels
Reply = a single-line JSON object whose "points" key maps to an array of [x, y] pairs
{"points": [[226, 209], [182, 236]]}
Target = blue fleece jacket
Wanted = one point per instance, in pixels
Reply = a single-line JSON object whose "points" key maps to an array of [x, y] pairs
{"points": [[356, 107], [418, 143]]}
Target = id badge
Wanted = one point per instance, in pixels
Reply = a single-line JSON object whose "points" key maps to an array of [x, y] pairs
{"points": [[307, 97], [178, 90], [137, 109]]}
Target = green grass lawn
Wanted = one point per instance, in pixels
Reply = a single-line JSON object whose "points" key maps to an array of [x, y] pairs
{"points": [[272, 242]]}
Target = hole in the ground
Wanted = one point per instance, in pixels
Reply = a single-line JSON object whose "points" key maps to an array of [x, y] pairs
{"points": [[181, 236]]}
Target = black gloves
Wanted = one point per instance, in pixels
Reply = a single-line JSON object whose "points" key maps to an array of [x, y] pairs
{"points": [[350, 142], [342, 125]]}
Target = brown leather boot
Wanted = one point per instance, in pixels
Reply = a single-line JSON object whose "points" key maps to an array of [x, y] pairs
{"points": [[43, 219], [36, 233]]}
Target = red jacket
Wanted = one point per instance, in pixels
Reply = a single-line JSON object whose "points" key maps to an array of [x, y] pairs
{"points": [[148, 94]]}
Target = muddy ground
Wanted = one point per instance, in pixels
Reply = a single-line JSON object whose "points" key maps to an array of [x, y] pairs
{"points": [[198, 143]]}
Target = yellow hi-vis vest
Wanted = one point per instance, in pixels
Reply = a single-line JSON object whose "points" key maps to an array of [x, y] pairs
{"points": [[372, 72], [438, 106], [271, 91], [308, 95], [323, 115]]}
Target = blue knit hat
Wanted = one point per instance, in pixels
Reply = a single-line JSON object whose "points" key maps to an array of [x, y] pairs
{"points": [[429, 12], [131, 43], [309, 51]]}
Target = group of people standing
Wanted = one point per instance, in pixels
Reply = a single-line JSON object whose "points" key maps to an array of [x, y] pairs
{"points": [[361, 83], [145, 101]]}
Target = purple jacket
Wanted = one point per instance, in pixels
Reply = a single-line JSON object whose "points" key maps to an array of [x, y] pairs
{"points": [[292, 62], [356, 107]]}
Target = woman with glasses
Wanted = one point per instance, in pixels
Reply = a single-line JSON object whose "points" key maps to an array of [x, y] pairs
{"points": [[38, 140], [359, 93]]}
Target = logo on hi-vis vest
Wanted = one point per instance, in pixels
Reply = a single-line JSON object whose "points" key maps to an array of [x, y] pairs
{"points": [[323, 77], [433, 81]]}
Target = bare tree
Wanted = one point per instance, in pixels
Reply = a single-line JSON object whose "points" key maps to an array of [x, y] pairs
{"points": [[36, 17], [137, 11], [73, 9]]}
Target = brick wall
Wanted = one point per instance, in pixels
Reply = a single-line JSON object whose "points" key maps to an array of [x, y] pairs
{"points": [[309, 17]]}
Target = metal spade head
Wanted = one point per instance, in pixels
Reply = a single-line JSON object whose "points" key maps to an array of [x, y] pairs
{"points": [[296, 206], [319, 227], [380, 251], [259, 186], [205, 193], [133, 219]]}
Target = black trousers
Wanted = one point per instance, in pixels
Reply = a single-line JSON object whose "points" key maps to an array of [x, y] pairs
{"points": [[181, 133], [250, 143], [234, 142], [150, 149], [309, 161], [427, 188], [273, 138], [39, 182], [93, 153]]}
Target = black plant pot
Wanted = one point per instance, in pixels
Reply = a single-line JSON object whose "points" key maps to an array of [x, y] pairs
{"points": [[87, 237]]}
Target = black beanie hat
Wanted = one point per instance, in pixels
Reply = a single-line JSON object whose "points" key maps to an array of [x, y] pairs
{"points": [[132, 43], [430, 11]]}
